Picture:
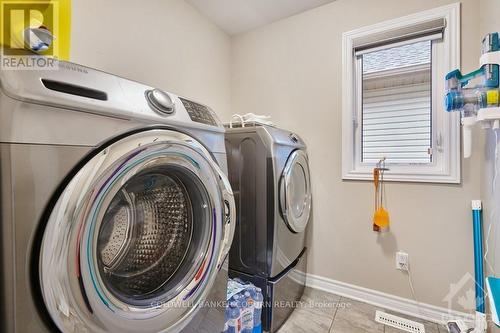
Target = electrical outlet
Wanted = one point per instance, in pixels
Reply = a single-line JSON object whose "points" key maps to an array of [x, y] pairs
{"points": [[402, 261]]}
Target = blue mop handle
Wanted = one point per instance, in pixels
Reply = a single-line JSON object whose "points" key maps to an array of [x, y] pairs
{"points": [[478, 253]]}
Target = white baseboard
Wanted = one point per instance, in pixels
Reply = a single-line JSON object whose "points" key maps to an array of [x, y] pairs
{"points": [[402, 305]]}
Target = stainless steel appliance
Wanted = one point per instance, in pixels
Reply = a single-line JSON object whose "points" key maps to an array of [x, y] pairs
{"points": [[116, 213], [269, 174]]}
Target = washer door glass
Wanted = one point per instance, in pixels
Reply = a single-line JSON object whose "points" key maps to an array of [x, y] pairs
{"points": [[295, 192], [147, 231], [137, 237]]}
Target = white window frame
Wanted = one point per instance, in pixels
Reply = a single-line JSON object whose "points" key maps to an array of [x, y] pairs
{"points": [[446, 161]]}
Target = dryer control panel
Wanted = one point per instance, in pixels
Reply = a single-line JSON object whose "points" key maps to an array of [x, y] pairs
{"points": [[198, 112]]}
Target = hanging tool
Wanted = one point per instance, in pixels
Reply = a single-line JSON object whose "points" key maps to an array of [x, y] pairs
{"points": [[376, 179], [381, 216]]}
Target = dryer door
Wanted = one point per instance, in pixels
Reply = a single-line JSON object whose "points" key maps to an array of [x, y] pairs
{"points": [[295, 192], [137, 237]]}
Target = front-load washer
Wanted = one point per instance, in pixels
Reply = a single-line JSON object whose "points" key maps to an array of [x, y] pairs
{"points": [[116, 213], [269, 174]]}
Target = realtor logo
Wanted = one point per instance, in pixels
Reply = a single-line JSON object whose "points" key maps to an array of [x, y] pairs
{"points": [[29, 33], [28, 26], [462, 294]]}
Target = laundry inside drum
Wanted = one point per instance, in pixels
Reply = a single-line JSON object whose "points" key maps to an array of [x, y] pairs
{"points": [[145, 235]]}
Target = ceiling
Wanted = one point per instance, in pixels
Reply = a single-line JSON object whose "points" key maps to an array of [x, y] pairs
{"points": [[237, 16]]}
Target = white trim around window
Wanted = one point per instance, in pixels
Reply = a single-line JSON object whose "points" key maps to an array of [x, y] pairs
{"points": [[446, 161]]}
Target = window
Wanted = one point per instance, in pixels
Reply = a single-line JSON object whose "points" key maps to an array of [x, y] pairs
{"points": [[393, 88], [396, 110]]}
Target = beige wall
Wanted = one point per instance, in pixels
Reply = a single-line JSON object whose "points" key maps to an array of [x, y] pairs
{"points": [[489, 21], [163, 43], [292, 70]]}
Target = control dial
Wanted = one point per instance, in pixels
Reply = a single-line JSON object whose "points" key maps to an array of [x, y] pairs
{"points": [[160, 101]]}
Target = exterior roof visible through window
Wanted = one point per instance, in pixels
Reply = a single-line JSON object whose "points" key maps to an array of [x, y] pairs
{"points": [[401, 56]]}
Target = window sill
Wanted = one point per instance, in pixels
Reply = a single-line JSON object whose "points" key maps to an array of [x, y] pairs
{"points": [[394, 176]]}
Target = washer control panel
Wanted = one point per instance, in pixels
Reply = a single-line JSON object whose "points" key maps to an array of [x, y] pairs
{"points": [[199, 113]]}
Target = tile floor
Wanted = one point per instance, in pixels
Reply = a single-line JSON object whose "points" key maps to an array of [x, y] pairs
{"points": [[327, 313]]}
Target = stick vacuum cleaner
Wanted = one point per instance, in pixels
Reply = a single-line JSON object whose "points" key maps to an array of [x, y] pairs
{"points": [[476, 96], [480, 324]]}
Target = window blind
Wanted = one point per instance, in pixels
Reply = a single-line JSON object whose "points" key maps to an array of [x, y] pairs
{"points": [[429, 30], [396, 124]]}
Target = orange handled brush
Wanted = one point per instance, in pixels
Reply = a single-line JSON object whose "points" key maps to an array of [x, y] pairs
{"points": [[381, 216], [376, 179]]}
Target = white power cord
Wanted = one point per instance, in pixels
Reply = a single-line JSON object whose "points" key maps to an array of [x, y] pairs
{"points": [[251, 118], [487, 250], [494, 209], [410, 282], [406, 267], [242, 120], [495, 161], [493, 212]]}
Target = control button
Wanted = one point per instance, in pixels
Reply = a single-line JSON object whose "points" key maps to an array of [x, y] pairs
{"points": [[160, 101], [294, 138]]}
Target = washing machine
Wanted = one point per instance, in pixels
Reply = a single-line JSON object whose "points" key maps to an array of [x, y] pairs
{"points": [[116, 212], [269, 174]]}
